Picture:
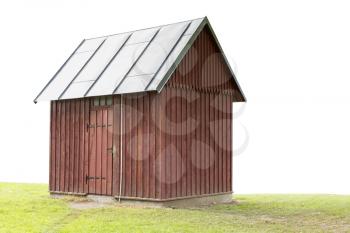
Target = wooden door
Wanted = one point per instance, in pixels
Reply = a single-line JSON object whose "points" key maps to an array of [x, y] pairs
{"points": [[101, 150]]}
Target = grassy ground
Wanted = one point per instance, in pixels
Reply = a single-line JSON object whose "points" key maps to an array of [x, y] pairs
{"points": [[28, 208]]}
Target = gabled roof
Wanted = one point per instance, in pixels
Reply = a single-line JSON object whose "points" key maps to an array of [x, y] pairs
{"points": [[130, 62]]}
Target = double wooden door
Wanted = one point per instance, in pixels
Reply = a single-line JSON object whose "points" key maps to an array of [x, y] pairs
{"points": [[101, 151]]}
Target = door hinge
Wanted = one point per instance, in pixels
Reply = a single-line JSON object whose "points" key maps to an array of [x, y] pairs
{"points": [[93, 177], [88, 126]]}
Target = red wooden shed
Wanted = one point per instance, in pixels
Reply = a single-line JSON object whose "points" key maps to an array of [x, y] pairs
{"points": [[144, 115]]}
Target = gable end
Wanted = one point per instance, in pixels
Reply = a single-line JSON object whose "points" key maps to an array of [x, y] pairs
{"points": [[203, 68]]}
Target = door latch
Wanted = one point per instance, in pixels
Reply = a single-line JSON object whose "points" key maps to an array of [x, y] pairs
{"points": [[113, 150]]}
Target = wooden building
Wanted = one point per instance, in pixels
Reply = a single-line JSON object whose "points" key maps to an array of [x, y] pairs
{"points": [[144, 115]]}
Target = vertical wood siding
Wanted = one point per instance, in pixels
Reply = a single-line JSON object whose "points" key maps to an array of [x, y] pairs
{"points": [[141, 140], [196, 150], [175, 144], [203, 69], [67, 147], [201, 88]]}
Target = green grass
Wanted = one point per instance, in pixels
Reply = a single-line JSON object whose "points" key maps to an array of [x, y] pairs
{"points": [[28, 208]]}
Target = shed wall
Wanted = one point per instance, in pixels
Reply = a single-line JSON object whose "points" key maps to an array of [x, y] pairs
{"points": [[140, 150], [195, 143], [68, 145], [199, 94], [176, 144]]}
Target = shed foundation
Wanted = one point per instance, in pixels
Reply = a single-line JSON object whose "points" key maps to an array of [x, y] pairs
{"points": [[184, 202]]}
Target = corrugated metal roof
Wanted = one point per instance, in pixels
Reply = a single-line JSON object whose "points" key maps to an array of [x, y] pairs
{"points": [[130, 62]]}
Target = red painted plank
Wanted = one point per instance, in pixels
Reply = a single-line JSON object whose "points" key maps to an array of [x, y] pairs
{"points": [[133, 146], [201, 115], [104, 152], [68, 146], [71, 147], [193, 148], [163, 135], [140, 154], [188, 140], [178, 146], [184, 143], [224, 145], [76, 147], [158, 143], [81, 146], [202, 137], [53, 146], [198, 149], [207, 150], [167, 149], [129, 148], [216, 136], [145, 154], [163, 141], [173, 144], [153, 165], [220, 143], [212, 145], [229, 175], [92, 151], [134, 143], [58, 145], [114, 139], [63, 140]]}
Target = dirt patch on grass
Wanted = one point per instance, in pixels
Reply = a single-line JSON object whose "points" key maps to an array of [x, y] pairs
{"points": [[83, 205]]}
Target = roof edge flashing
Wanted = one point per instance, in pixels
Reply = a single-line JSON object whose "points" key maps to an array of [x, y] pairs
{"points": [[159, 26], [226, 60]]}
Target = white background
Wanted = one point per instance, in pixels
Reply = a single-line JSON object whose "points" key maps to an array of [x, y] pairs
{"points": [[292, 59]]}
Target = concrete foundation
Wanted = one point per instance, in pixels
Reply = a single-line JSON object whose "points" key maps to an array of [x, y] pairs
{"points": [[184, 202]]}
